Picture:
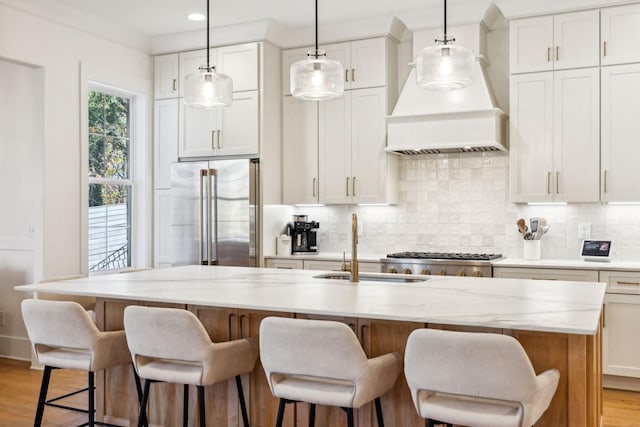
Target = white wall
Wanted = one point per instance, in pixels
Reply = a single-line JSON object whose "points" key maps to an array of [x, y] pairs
{"points": [[57, 51]]}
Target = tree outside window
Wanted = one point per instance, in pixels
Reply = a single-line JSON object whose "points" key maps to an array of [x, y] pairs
{"points": [[109, 181]]}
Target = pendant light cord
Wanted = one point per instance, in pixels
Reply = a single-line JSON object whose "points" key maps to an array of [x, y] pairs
{"points": [[316, 29], [208, 61], [446, 40]]}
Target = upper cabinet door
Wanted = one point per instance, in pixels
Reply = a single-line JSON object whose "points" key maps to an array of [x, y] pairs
{"points": [[620, 133], [576, 139], [576, 40], [239, 127], [166, 79], [341, 52], [165, 140], [531, 134], [620, 34], [199, 133], [240, 62], [531, 44], [368, 59]]}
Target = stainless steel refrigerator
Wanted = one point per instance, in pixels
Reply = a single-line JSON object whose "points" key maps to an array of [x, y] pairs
{"points": [[214, 212]]}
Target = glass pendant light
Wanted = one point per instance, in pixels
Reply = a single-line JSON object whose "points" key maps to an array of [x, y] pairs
{"points": [[445, 66], [207, 88], [317, 78]]}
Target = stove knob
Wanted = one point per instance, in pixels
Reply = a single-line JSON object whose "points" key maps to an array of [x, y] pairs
{"points": [[461, 273], [407, 271], [425, 272], [392, 271], [477, 274], [442, 273]]}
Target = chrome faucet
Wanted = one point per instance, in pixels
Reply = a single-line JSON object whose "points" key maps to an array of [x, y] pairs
{"points": [[354, 248]]}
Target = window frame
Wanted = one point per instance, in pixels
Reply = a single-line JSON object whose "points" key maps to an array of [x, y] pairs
{"points": [[140, 90]]}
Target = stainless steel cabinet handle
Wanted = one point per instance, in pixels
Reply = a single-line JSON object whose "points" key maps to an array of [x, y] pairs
{"points": [[213, 139], [548, 54], [557, 182], [313, 187], [220, 145], [353, 186], [604, 184], [557, 53], [353, 74], [628, 283], [604, 48], [175, 85], [548, 182], [346, 75], [347, 186]]}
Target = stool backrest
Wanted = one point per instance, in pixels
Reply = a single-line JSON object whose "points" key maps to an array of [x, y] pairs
{"points": [[310, 347], [59, 324], [165, 333], [482, 365]]}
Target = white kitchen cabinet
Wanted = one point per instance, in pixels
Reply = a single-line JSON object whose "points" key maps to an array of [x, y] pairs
{"points": [[231, 131], [563, 41], [166, 77], [165, 140], [240, 62], [621, 327], [366, 62], [620, 175], [288, 264], [555, 136], [299, 151], [352, 138], [620, 34], [162, 228], [546, 274], [310, 264]]}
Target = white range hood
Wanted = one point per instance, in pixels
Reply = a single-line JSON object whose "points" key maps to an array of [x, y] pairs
{"points": [[464, 120]]}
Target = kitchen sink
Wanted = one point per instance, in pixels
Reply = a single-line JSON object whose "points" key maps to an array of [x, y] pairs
{"points": [[368, 277]]}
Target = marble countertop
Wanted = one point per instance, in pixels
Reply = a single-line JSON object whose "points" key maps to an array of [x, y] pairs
{"points": [[537, 305]]}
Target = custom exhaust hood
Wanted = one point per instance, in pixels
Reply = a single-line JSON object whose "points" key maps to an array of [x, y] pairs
{"points": [[458, 121]]}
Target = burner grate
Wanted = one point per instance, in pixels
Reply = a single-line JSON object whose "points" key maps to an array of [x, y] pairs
{"points": [[446, 255]]}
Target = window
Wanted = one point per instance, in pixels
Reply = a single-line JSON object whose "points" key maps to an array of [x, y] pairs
{"points": [[110, 180]]}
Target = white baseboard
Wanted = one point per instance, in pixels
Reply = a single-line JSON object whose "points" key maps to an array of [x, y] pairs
{"points": [[15, 348], [621, 383]]}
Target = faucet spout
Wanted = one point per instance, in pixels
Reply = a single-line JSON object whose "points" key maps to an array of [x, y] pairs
{"points": [[354, 248]]}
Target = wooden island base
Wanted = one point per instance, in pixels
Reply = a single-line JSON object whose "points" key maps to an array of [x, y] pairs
{"points": [[577, 403]]}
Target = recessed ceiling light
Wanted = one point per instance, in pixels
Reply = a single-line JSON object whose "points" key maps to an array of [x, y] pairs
{"points": [[196, 17]]}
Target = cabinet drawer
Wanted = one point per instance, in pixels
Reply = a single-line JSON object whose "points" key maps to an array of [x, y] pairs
{"points": [[621, 282], [290, 264], [546, 274]]}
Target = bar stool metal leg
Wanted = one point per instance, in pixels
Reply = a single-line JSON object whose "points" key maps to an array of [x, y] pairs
{"points": [[92, 410], [312, 415], [280, 412], [349, 417], [203, 423], [46, 376], [143, 404], [243, 405], [185, 405], [379, 412]]}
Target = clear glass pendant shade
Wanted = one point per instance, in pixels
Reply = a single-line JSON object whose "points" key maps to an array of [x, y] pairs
{"points": [[317, 78], [208, 89], [445, 67]]}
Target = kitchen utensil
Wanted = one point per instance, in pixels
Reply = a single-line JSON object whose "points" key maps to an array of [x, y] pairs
{"points": [[522, 226]]}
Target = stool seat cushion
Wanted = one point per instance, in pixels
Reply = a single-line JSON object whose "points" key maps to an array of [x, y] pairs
{"points": [[63, 335]]}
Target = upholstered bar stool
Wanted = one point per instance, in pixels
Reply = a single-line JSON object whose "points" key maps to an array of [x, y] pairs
{"points": [[475, 379], [171, 345], [322, 363], [88, 303], [64, 336]]}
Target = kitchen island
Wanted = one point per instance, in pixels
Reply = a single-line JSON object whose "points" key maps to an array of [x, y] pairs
{"points": [[558, 324]]}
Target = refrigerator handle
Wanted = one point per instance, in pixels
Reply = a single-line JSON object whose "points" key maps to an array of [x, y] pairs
{"points": [[213, 222], [203, 174]]}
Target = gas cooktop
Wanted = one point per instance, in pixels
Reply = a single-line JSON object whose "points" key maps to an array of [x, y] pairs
{"points": [[445, 255]]}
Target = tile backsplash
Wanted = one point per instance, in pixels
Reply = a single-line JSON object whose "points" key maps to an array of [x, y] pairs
{"points": [[459, 203]]}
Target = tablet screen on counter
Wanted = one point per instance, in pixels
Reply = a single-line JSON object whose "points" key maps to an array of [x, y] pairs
{"points": [[596, 248]]}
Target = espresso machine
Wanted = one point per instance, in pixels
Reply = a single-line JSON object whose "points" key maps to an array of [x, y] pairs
{"points": [[303, 235]]}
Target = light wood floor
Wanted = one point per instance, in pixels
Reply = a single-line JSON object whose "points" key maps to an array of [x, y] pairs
{"points": [[19, 387]]}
